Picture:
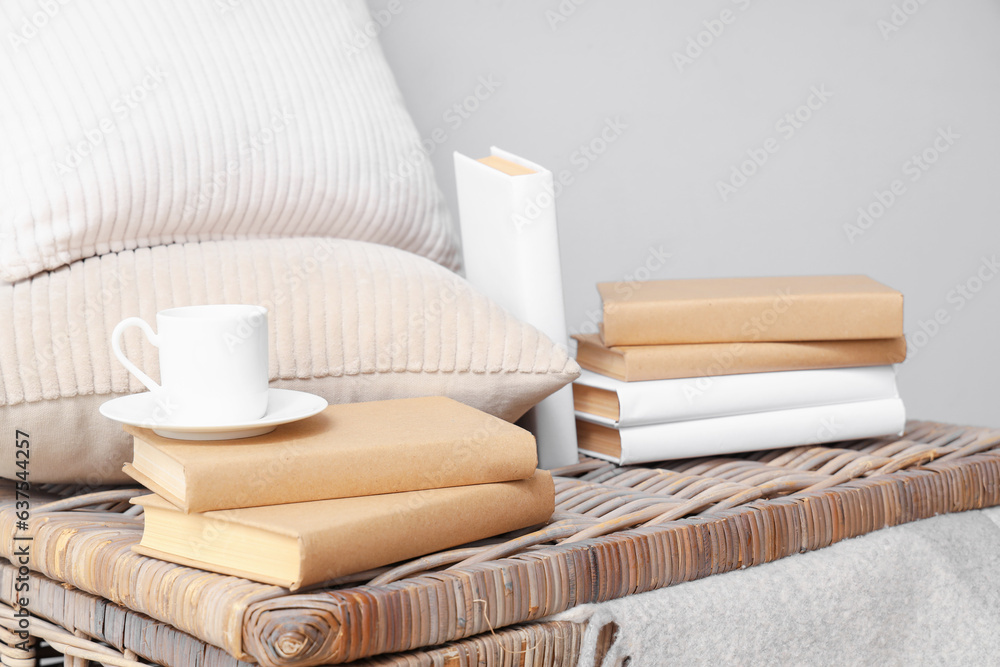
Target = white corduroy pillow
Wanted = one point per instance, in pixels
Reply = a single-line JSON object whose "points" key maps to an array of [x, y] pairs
{"points": [[348, 320], [135, 123]]}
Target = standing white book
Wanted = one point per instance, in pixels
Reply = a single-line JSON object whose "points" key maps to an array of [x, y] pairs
{"points": [[510, 245], [742, 433], [623, 404]]}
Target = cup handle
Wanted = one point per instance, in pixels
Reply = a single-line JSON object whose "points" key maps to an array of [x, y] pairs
{"points": [[116, 347]]}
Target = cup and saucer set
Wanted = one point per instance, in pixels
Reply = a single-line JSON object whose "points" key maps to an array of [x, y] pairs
{"points": [[213, 377]]}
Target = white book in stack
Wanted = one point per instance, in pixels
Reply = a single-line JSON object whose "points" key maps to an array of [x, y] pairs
{"points": [[641, 422]]}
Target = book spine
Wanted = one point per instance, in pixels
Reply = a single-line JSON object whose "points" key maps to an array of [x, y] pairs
{"points": [[782, 317], [660, 401], [510, 242], [600, 359], [765, 430], [656, 362], [510, 245]]}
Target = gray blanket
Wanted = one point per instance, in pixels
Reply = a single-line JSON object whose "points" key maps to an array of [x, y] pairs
{"points": [[925, 593]]}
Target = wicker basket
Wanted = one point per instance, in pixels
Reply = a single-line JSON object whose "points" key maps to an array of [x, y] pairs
{"points": [[617, 531], [555, 643]]}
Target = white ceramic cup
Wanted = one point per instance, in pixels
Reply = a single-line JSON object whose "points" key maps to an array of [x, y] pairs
{"points": [[213, 363]]}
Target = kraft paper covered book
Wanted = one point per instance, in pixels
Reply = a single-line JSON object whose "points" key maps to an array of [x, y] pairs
{"points": [[741, 433], [657, 401], [510, 247], [637, 363], [725, 310], [300, 544], [353, 449]]}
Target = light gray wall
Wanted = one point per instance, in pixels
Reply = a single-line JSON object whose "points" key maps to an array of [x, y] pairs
{"points": [[680, 128]]}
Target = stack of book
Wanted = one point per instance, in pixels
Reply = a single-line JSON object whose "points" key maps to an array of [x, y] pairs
{"points": [[353, 488], [685, 368]]}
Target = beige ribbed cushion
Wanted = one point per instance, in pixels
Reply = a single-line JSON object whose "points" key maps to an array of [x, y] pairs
{"points": [[135, 123], [350, 321]]}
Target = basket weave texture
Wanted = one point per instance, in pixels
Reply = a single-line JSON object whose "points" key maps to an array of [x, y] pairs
{"points": [[616, 531]]}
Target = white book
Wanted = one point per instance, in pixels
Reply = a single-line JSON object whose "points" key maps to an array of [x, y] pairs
{"points": [[742, 433], [510, 246], [623, 404]]}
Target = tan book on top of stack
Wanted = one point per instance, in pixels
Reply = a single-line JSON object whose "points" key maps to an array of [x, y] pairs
{"points": [[725, 310], [353, 449]]}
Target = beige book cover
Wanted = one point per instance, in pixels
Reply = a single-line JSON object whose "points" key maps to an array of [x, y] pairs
{"points": [[638, 363], [301, 544], [354, 449], [723, 310]]}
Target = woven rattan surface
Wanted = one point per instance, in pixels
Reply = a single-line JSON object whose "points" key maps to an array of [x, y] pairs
{"points": [[616, 531], [84, 626]]}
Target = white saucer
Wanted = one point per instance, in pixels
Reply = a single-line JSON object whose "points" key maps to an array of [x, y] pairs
{"points": [[283, 406]]}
